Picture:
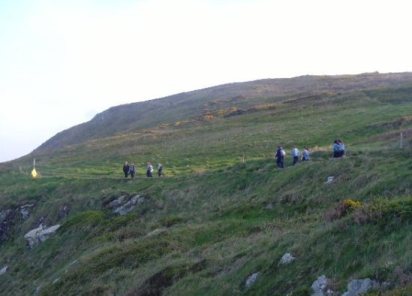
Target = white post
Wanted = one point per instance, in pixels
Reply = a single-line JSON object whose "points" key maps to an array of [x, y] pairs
{"points": [[401, 141], [34, 163]]}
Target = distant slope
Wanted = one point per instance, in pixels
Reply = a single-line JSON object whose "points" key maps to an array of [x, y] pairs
{"points": [[182, 106]]}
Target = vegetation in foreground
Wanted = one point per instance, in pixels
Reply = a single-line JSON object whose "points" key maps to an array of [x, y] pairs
{"points": [[223, 211]]}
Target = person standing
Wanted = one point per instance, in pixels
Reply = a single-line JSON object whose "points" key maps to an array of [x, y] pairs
{"points": [[132, 170], [338, 149], [149, 170], [335, 149], [341, 148], [126, 169], [295, 155], [305, 154], [280, 157], [159, 169]]}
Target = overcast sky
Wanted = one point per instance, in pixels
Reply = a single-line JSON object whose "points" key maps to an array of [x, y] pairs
{"points": [[61, 62]]}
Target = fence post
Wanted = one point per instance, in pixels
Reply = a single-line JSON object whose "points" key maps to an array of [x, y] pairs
{"points": [[401, 141]]}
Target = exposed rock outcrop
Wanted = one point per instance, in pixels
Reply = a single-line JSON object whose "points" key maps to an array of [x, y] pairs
{"points": [[25, 210], [125, 204], [360, 286], [40, 234], [3, 270], [251, 280], [12, 216], [7, 220], [287, 258], [320, 287]]}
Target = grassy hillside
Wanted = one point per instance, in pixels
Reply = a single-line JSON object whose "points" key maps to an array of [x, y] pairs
{"points": [[223, 211], [221, 99]]}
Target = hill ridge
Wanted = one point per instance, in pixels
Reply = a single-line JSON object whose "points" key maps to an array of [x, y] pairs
{"points": [[126, 117]]}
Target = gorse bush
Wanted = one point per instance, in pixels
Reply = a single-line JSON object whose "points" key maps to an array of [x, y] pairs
{"points": [[385, 211], [352, 204], [342, 209]]}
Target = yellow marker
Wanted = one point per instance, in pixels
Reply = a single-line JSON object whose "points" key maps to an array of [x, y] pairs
{"points": [[34, 173]]}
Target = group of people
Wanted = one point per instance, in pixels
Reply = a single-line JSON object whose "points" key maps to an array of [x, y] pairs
{"points": [[130, 169], [295, 153], [338, 149]]}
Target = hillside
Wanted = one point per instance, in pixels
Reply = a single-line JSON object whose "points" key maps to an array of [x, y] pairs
{"points": [[127, 118], [222, 217]]}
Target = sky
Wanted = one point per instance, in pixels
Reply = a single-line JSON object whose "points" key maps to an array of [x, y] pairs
{"points": [[62, 62]]}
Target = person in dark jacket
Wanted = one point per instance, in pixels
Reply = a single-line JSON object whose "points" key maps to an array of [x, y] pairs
{"points": [[159, 169], [335, 149], [338, 149], [126, 169], [280, 157], [132, 170]]}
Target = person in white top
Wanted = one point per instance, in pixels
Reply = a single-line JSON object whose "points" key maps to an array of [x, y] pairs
{"points": [[149, 171], [295, 155], [305, 154]]}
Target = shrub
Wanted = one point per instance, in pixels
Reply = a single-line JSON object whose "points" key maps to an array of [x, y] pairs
{"points": [[353, 204], [342, 209], [384, 211]]}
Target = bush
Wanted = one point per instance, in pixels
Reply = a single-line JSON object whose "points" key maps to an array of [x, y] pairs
{"points": [[384, 211], [342, 209]]}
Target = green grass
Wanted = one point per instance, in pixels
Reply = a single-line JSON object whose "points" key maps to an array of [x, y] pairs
{"points": [[223, 210]]}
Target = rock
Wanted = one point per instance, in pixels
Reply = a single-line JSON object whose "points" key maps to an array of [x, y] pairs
{"points": [[40, 234], [157, 231], [117, 202], [63, 211], [250, 281], [287, 258], [269, 206], [361, 286], [319, 286], [125, 207], [74, 262], [7, 221], [4, 214], [3, 270], [25, 210]]}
